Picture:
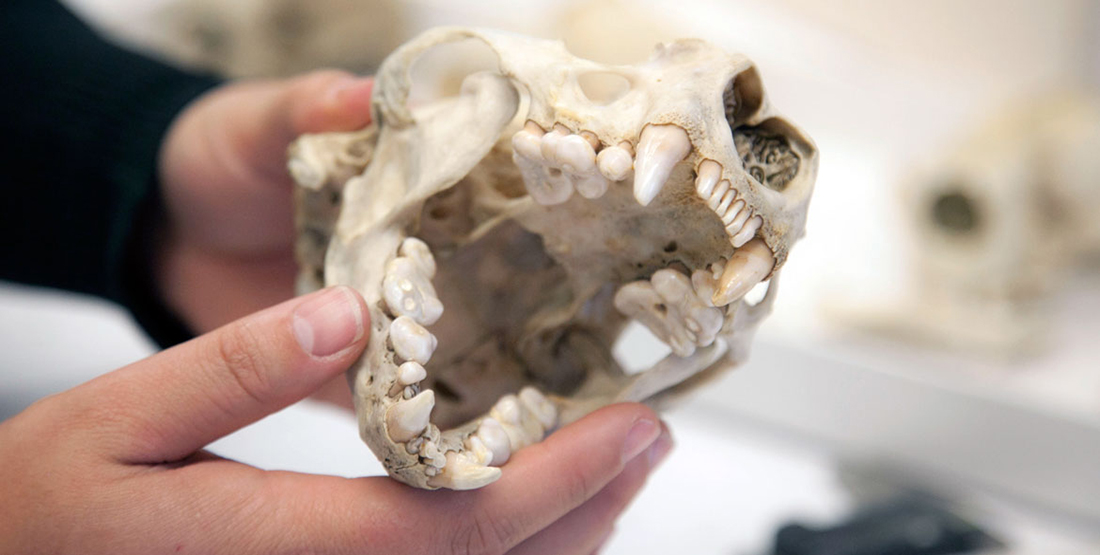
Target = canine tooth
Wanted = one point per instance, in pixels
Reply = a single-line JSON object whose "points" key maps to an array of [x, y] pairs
{"points": [[747, 232], [551, 146], [411, 373], [492, 434], [708, 175], [748, 265], [727, 199], [408, 292], [660, 148], [576, 155], [537, 403], [481, 454], [592, 186], [429, 450], [408, 393], [463, 472], [407, 419], [411, 341], [615, 162], [732, 212], [719, 192]]}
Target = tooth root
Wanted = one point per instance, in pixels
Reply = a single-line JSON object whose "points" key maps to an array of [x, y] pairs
{"points": [[747, 232], [732, 213], [411, 341], [407, 419], [719, 192], [660, 148], [592, 186], [615, 163], [492, 434], [541, 407], [478, 451], [709, 173], [462, 472], [576, 155], [727, 199], [411, 373], [749, 265]]}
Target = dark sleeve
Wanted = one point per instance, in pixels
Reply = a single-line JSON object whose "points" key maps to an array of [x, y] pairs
{"points": [[81, 122]]}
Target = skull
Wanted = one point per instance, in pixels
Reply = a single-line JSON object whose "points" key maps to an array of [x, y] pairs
{"points": [[503, 238]]}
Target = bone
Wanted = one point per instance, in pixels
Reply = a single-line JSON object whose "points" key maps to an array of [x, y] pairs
{"points": [[411, 373], [668, 305], [738, 222], [709, 173], [408, 290], [749, 265], [492, 434], [705, 281], [576, 155], [541, 407], [408, 419], [411, 341], [615, 162], [464, 471], [660, 148], [748, 232]]}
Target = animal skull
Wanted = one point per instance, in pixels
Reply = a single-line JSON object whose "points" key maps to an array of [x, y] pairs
{"points": [[503, 238]]}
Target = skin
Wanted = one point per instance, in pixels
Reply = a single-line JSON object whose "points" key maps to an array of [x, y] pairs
{"points": [[117, 465]]}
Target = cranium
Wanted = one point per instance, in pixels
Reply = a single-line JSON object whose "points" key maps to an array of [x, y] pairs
{"points": [[503, 238]]}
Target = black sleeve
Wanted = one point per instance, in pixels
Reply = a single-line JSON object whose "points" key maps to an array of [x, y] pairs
{"points": [[81, 122]]}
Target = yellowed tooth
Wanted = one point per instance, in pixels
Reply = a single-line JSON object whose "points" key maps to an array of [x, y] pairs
{"points": [[747, 232], [748, 266]]}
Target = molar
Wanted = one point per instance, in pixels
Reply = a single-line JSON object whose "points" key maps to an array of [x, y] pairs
{"points": [[411, 341], [668, 305]]}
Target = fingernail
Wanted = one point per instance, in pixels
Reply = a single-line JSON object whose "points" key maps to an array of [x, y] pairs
{"points": [[349, 86], [660, 449], [640, 436], [328, 322]]}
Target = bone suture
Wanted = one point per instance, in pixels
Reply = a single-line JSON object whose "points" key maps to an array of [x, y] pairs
{"points": [[502, 252]]}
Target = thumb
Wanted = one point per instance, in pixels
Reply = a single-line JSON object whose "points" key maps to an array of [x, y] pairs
{"points": [[172, 404]]}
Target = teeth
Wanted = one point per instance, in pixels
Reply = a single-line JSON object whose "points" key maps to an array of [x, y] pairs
{"points": [[719, 192], [668, 305], [727, 199], [541, 407], [407, 419], [464, 471], [551, 145], [546, 186], [733, 212], [411, 341], [615, 162], [492, 434], [592, 185], [507, 411], [748, 232], [407, 287], [660, 148], [749, 265], [576, 155], [709, 174], [521, 427], [411, 373]]}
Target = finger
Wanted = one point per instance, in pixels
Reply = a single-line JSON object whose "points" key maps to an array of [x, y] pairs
{"points": [[585, 528], [170, 405]]}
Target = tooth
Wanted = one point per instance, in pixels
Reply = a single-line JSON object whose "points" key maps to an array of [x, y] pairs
{"points": [[477, 449], [419, 252], [551, 146], [733, 212], [660, 148], [719, 192], [615, 162], [738, 222], [592, 139], [411, 373], [545, 188], [463, 472], [709, 174], [492, 434], [507, 410], [748, 265], [537, 403], [527, 144], [576, 155], [408, 292], [727, 199], [747, 232], [592, 186], [407, 419], [411, 341]]}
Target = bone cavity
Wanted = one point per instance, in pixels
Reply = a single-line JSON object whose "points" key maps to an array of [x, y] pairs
{"points": [[411, 341], [660, 148], [576, 155], [749, 265], [464, 471], [407, 419], [615, 162]]}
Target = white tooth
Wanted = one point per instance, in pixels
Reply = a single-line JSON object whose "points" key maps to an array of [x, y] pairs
{"points": [[733, 212], [747, 232], [719, 192], [540, 406], [492, 434], [463, 472], [545, 189], [527, 144], [407, 419], [411, 341], [521, 427], [615, 163], [507, 410], [709, 174], [705, 283], [551, 146], [592, 186], [738, 222], [576, 155], [668, 305], [419, 252], [749, 265], [727, 199], [408, 292], [411, 373], [430, 451], [660, 148]]}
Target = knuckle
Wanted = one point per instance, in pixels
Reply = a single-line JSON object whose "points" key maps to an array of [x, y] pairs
{"points": [[484, 534], [239, 354]]}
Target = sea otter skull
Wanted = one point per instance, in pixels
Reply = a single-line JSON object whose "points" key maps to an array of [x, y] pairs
{"points": [[502, 253]]}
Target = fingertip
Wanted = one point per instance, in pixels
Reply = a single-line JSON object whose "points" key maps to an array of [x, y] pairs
{"points": [[329, 100], [331, 322]]}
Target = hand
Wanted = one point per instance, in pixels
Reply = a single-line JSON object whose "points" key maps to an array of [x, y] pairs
{"points": [[116, 466]]}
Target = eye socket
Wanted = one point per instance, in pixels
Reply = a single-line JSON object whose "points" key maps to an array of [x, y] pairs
{"points": [[955, 212], [603, 87]]}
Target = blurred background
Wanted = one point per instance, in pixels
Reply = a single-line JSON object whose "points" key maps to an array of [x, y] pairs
{"points": [[930, 378]]}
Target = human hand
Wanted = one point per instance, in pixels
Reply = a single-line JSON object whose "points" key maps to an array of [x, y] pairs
{"points": [[116, 466]]}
